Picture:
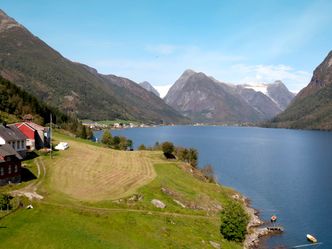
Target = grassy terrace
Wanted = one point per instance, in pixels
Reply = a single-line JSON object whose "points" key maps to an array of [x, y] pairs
{"points": [[96, 197]]}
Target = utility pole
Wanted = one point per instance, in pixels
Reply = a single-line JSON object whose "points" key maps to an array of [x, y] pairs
{"points": [[51, 135]]}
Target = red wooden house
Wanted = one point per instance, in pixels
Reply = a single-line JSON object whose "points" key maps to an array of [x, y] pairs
{"points": [[37, 135]]}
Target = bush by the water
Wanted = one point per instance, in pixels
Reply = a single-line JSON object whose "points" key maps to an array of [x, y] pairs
{"points": [[187, 155], [116, 142], [234, 221], [167, 147], [208, 173]]}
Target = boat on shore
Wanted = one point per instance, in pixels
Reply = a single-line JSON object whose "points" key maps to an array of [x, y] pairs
{"points": [[311, 238]]}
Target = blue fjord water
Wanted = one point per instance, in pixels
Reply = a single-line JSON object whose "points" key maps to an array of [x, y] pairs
{"points": [[284, 172]]}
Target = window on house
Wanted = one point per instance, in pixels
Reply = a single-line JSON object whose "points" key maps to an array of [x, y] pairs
{"points": [[2, 171], [16, 168], [9, 169], [14, 144], [23, 145]]}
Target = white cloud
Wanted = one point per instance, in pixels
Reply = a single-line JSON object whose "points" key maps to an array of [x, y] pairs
{"points": [[294, 79], [162, 71]]}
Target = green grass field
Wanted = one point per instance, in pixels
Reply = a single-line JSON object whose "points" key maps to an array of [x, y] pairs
{"points": [[87, 203]]}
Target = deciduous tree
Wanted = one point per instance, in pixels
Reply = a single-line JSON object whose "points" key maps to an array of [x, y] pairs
{"points": [[167, 147], [106, 138], [234, 221]]}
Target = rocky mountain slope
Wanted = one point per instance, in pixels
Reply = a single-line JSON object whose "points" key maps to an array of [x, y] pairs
{"points": [[37, 68], [312, 107], [147, 86], [205, 99]]}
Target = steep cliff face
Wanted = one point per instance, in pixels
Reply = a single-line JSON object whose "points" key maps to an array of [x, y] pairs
{"points": [[261, 102], [37, 68], [175, 91], [279, 93], [205, 99], [312, 107], [321, 78]]}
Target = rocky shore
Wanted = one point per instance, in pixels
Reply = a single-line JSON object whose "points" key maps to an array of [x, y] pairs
{"points": [[255, 228]]}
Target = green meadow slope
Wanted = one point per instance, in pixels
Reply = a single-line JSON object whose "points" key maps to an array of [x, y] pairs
{"points": [[94, 197]]}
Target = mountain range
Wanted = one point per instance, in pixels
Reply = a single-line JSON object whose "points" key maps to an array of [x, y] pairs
{"points": [[78, 89], [312, 107], [204, 99], [147, 86]]}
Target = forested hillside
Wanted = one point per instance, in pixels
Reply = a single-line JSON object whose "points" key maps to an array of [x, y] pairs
{"points": [[15, 103]]}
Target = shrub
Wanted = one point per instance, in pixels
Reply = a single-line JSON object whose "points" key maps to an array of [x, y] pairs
{"points": [[208, 173], [234, 221], [193, 157], [182, 154], [156, 146], [167, 147], [106, 138], [142, 147]]}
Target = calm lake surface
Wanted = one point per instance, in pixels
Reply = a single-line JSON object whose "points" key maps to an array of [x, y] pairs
{"points": [[283, 172]]}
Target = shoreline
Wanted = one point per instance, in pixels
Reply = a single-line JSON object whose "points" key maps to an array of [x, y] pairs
{"points": [[255, 228]]}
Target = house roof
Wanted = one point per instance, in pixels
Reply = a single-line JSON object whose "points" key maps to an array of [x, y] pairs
{"points": [[31, 125], [7, 150], [11, 133]]}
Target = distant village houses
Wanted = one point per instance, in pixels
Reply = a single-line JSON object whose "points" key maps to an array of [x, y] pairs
{"points": [[100, 126]]}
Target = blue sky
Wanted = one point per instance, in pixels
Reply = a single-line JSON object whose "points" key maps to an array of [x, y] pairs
{"points": [[233, 41]]}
